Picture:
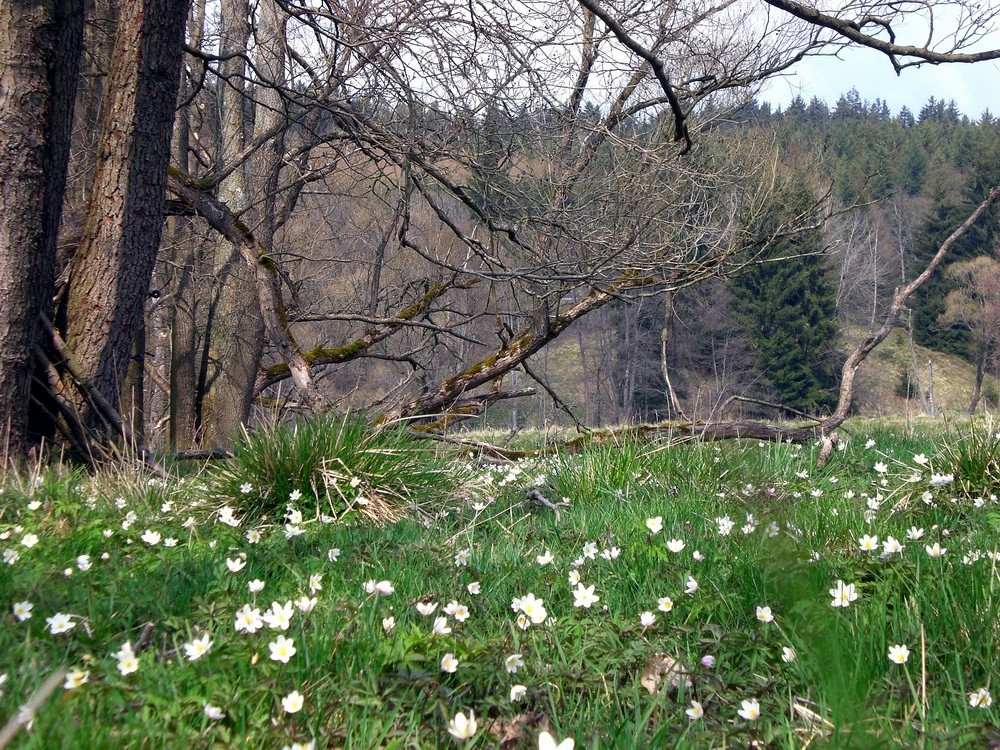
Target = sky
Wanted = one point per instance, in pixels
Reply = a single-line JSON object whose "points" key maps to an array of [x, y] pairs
{"points": [[974, 87]]}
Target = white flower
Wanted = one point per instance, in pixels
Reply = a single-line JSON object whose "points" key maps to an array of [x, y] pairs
{"points": [[449, 663], [696, 711], [868, 543], [583, 596], [513, 663], [198, 647], [235, 566], [22, 610], [152, 538], [169, 542], [843, 594], [382, 588], [920, 458], [544, 559], [255, 586], [282, 649], [547, 742], [517, 692], [332, 554], [935, 550], [655, 525], [463, 727], [253, 536], [426, 608], [913, 533], [291, 531], [725, 524], [675, 545], [647, 619], [441, 626], [664, 604], [981, 698], [869, 444], [214, 713], [697, 556], [305, 604], [279, 617], [83, 563], [590, 550], [573, 577], [473, 588], [127, 660], [462, 557], [533, 608], [692, 585], [60, 623], [246, 488], [75, 678], [788, 654], [939, 480], [228, 517], [764, 614], [881, 468], [315, 582], [29, 540], [388, 623], [292, 703], [899, 654], [750, 710], [891, 546], [248, 620]]}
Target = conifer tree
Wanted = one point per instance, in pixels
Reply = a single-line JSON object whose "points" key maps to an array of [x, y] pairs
{"points": [[788, 306]]}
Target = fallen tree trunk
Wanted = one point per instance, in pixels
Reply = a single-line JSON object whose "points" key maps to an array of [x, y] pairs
{"points": [[529, 342]]}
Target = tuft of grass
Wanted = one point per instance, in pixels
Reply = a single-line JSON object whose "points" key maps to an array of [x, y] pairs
{"points": [[336, 464], [973, 458]]}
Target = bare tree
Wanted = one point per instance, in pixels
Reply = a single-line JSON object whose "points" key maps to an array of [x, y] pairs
{"points": [[975, 305]]}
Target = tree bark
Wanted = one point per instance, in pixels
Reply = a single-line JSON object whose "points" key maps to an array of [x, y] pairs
{"points": [[236, 328], [109, 280], [40, 46]]}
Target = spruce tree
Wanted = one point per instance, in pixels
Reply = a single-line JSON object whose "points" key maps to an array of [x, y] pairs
{"points": [[787, 304]]}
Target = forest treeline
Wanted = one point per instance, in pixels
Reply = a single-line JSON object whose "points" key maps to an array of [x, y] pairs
{"points": [[899, 183]]}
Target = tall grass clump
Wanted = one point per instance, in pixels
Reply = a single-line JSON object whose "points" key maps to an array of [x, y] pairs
{"points": [[973, 459], [340, 463]]}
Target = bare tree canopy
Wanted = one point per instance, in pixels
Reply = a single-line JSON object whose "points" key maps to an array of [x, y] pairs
{"points": [[396, 207]]}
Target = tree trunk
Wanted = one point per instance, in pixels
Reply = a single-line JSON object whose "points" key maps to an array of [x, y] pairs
{"points": [[182, 314], [977, 390], [40, 46], [236, 329], [109, 280]]}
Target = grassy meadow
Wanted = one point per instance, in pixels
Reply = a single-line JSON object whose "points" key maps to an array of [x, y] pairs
{"points": [[331, 588]]}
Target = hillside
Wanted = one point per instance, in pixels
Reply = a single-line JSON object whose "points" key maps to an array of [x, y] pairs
{"points": [[888, 373]]}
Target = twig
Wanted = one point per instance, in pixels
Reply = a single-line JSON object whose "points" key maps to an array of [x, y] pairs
{"points": [[27, 713], [537, 497]]}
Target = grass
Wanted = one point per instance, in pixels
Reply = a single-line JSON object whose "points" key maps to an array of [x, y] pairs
{"points": [[760, 527]]}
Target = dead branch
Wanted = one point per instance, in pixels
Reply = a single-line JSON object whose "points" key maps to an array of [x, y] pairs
{"points": [[272, 307]]}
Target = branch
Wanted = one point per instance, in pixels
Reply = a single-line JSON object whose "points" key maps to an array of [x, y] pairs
{"points": [[680, 118], [852, 30], [354, 349], [529, 339], [258, 257]]}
